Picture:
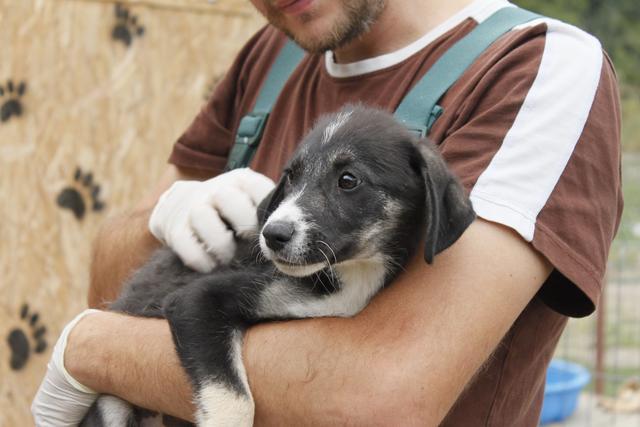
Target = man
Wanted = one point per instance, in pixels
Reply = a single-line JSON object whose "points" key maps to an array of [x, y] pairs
{"points": [[531, 129]]}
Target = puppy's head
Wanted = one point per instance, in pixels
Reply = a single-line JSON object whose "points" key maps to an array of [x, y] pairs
{"points": [[361, 187]]}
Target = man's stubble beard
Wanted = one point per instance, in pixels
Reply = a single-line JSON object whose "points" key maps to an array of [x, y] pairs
{"points": [[358, 17]]}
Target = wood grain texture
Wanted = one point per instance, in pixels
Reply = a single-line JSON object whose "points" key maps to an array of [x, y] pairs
{"points": [[90, 101]]}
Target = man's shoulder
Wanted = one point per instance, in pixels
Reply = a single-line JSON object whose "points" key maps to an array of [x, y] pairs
{"points": [[262, 48], [553, 40]]}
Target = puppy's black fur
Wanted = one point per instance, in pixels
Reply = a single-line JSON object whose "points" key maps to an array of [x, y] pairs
{"points": [[357, 198]]}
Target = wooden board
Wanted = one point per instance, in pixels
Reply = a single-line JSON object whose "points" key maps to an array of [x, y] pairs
{"points": [[95, 111]]}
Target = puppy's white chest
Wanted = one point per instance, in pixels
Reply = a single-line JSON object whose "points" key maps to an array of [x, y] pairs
{"points": [[361, 279]]}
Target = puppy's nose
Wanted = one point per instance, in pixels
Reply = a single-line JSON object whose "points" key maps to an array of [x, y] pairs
{"points": [[278, 234]]}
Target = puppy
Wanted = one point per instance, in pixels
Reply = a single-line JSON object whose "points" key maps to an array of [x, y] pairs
{"points": [[353, 204]]}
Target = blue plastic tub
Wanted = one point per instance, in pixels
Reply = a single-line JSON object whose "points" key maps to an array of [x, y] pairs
{"points": [[565, 380]]}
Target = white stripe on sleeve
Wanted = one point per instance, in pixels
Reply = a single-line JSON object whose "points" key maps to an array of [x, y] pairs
{"points": [[519, 180]]}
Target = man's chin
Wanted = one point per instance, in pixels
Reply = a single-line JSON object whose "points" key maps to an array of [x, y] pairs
{"points": [[314, 42], [324, 28]]}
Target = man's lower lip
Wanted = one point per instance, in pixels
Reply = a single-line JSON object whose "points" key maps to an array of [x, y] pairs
{"points": [[295, 7]]}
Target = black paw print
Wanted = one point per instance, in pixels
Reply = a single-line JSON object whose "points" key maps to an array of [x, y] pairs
{"points": [[12, 106], [72, 198], [126, 27], [19, 341]]}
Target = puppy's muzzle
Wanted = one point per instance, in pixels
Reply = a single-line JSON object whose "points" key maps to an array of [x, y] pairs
{"points": [[277, 234]]}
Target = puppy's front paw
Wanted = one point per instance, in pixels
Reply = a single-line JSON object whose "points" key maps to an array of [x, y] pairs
{"points": [[220, 406]]}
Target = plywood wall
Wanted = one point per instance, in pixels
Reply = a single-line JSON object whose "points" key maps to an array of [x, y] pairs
{"points": [[91, 100]]}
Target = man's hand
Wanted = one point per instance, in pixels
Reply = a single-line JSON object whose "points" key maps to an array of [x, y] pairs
{"points": [[198, 220], [125, 241], [61, 400]]}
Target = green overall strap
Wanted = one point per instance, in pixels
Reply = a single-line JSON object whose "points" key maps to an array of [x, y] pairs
{"points": [[251, 125], [419, 109]]}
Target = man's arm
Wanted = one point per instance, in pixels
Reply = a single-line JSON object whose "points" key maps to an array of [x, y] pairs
{"points": [[404, 360], [407, 357], [124, 242]]}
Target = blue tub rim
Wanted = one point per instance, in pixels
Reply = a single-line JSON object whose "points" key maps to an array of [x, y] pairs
{"points": [[581, 377]]}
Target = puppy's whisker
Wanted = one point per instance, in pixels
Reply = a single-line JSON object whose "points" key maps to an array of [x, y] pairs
{"points": [[332, 278], [335, 259], [256, 252], [321, 282], [325, 257], [328, 264]]}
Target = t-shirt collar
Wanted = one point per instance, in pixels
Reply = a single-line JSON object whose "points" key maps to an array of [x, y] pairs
{"points": [[479, 10]]}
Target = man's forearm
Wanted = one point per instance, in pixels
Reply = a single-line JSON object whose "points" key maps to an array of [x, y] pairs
{"points": [[323, 372], [123, 244], [133, 358]]}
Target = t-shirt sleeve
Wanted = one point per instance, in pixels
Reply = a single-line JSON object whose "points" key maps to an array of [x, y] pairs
{"points": [[539, 152], [206, 143]]}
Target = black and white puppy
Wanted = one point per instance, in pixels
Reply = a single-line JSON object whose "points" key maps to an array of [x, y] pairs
{"points": [[355, 201]]}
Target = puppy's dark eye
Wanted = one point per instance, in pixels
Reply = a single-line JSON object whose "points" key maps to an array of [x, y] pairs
{"points": [[347, 181]]}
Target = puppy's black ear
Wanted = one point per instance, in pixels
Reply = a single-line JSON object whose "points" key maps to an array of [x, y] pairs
{"points": [[271, 201], [448, 209]]}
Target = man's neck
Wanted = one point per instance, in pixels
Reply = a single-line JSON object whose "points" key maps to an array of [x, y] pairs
{"points": [[402, 22]]}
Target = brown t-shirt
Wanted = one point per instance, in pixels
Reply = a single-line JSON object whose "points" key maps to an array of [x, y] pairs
{"points": [[532, 129]]}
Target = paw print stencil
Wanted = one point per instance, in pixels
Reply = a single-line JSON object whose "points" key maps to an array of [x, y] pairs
{"points": [[10, 99], [126, 26], [22, 341], [83, 194]]}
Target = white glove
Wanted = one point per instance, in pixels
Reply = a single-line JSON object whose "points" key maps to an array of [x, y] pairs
{"points": [[189, 216], [61, 400]]}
